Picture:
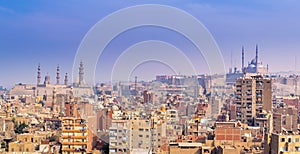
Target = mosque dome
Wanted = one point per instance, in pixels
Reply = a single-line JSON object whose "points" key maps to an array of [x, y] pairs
{"points": [[253, 61], [251, 66]]}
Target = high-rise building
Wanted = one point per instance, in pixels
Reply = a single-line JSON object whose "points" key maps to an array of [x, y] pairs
{"points": [[253, 96], [141, 134], [120, 134], [75, 135]]}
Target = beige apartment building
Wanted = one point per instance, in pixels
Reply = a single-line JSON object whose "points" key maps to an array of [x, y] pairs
{"points": [[120, 136], [253, 96], [284, 144]]}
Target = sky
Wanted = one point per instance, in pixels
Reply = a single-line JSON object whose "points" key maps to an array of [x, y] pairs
{"points": [[49, 33]]}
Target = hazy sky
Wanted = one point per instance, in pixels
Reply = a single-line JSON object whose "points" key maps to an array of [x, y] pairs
{"points": [[49, 32]]}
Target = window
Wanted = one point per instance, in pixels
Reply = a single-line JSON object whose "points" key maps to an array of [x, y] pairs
{"points": [[296, 139], [282, 139], [12, 149], [113, 143], [112, 150], [289, 140]]}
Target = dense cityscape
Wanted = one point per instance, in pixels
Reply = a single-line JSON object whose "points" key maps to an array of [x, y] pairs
{"points": [[132, 77], [252, 111]]}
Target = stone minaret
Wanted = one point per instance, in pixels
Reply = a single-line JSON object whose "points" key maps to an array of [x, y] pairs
{"points": [[81, 73], [39, 75], [66, 79], [71, 95], [256, 58], [243, 59], [57, 75]]}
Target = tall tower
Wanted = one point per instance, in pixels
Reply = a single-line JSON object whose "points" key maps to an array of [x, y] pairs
{"points": [[66, 79], [71, 95], [81, 73], [243, 59], [57, 75], [253, 96], [39, 75], [135, 83], [256, 58]]}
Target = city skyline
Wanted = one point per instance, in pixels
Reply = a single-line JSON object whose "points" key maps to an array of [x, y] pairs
{"points": [[49, 33]]}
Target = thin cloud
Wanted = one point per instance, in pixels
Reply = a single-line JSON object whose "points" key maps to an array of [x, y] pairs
{"points": [[6, 10]]}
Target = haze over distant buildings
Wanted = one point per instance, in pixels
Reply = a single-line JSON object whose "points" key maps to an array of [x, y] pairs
{"points": [[50, 33]]}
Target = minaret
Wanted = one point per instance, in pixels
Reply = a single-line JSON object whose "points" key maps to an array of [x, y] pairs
{"points": [[66, 79], [243, 59], [256, 58], [39, 75], [71, 95], [57, 75], [81, 73]]}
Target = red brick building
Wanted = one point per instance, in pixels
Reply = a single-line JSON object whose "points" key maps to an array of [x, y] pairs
{"points": [[227, 131]]}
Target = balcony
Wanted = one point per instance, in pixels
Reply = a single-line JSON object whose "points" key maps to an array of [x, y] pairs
{"points": [[74, 149], [74, 143], [74, 131], [74, 137], [74, 124]]}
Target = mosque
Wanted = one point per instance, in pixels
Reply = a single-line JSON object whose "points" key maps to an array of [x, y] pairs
{"points": [[254, 67], [49, 92]]}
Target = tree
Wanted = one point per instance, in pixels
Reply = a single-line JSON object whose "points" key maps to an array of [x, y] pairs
{"points": [[3, 145], [19, 128], [42, 103]]}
